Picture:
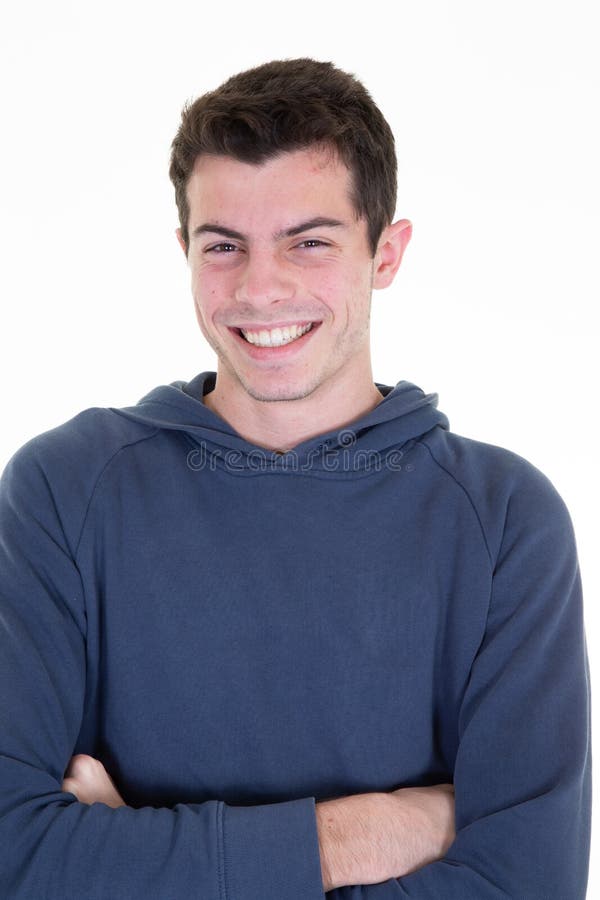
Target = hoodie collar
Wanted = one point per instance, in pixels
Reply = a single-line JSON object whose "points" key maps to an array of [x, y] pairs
{"points": [[405, 413]]}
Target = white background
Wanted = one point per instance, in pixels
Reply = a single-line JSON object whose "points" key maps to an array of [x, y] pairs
{"points": [[495, 111]]}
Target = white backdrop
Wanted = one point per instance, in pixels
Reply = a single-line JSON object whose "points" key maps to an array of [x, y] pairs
{"points": [[495, 111]]}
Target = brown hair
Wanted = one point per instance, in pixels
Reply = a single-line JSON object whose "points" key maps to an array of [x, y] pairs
{"points": [[289, 105]]}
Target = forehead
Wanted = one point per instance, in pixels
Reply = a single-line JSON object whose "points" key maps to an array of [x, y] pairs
{"points": [[312, 181]]}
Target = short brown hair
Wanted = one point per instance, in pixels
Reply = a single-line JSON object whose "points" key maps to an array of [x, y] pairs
{"points": [[289, 105]]}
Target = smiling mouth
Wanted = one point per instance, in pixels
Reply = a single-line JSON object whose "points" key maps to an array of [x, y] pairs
{"points": [[276, 337]]}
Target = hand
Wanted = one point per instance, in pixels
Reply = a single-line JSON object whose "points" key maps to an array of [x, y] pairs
{"points": [[368, 838], [87, 778]]}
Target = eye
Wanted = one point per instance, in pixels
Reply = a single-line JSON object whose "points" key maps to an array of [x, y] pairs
{"points": [[223, 247], [312, 242]]}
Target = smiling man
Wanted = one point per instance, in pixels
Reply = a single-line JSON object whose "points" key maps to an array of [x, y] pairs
{"points": [[282, 274], [277, 631]]}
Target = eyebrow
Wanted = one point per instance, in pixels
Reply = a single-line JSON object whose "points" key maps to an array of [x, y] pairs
{"points": [[317, 222]]}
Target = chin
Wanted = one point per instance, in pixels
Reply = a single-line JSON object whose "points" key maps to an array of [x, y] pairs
{"points": [[278, 396], [274, 393]]}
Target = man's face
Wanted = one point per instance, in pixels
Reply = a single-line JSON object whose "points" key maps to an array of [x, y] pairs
{"points": [[276, 251]]}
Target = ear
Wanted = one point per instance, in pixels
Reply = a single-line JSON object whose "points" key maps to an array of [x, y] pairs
{"points": [[390, 250], [182, 243]]}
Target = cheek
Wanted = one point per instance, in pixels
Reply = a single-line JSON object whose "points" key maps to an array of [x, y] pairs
{"points": [[206, 293], [327, 284], [202, 306], [345, 293], [212, 289]]}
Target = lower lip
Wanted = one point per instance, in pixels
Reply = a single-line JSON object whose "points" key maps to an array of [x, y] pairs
{"points": [[275, 353]]}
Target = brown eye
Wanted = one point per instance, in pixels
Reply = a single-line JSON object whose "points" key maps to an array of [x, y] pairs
{"points": [[312, 242], [222, 248]]}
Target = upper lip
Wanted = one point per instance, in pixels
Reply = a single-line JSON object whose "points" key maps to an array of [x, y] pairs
{"points": [[272, 326]]}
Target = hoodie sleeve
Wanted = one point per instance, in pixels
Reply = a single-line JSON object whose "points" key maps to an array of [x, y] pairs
{"points": [[52, 847], [522, 771]]}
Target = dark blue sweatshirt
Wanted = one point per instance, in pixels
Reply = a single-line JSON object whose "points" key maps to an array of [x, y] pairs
{"points": [[238, 633]]}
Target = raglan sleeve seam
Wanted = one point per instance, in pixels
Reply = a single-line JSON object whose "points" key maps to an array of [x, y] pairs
{"points": [[492, 561], [467, 495], [96, 483]]}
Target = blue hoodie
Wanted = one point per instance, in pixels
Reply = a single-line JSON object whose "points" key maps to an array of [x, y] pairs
{"points": [[238, 633]]}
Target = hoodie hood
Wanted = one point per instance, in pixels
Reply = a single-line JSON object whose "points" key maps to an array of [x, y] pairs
{"points": [[405, 413]]}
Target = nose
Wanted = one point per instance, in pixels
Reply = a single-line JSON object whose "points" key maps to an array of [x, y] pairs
{"points": [[264, 279]]}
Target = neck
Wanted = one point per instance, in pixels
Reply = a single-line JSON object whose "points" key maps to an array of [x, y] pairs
{"points": [[283, 424]]}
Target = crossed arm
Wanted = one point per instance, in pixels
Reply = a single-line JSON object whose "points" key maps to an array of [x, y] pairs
{"points": [[518, 746], [363, 838]]}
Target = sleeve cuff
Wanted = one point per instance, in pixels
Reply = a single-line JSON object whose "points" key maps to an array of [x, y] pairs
{"points": [[272, 851]]}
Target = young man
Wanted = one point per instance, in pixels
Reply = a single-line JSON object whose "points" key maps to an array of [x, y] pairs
{"points": [[277, 631]]}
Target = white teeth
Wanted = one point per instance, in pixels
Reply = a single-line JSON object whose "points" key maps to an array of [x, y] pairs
{"points": [[278, 336]]}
